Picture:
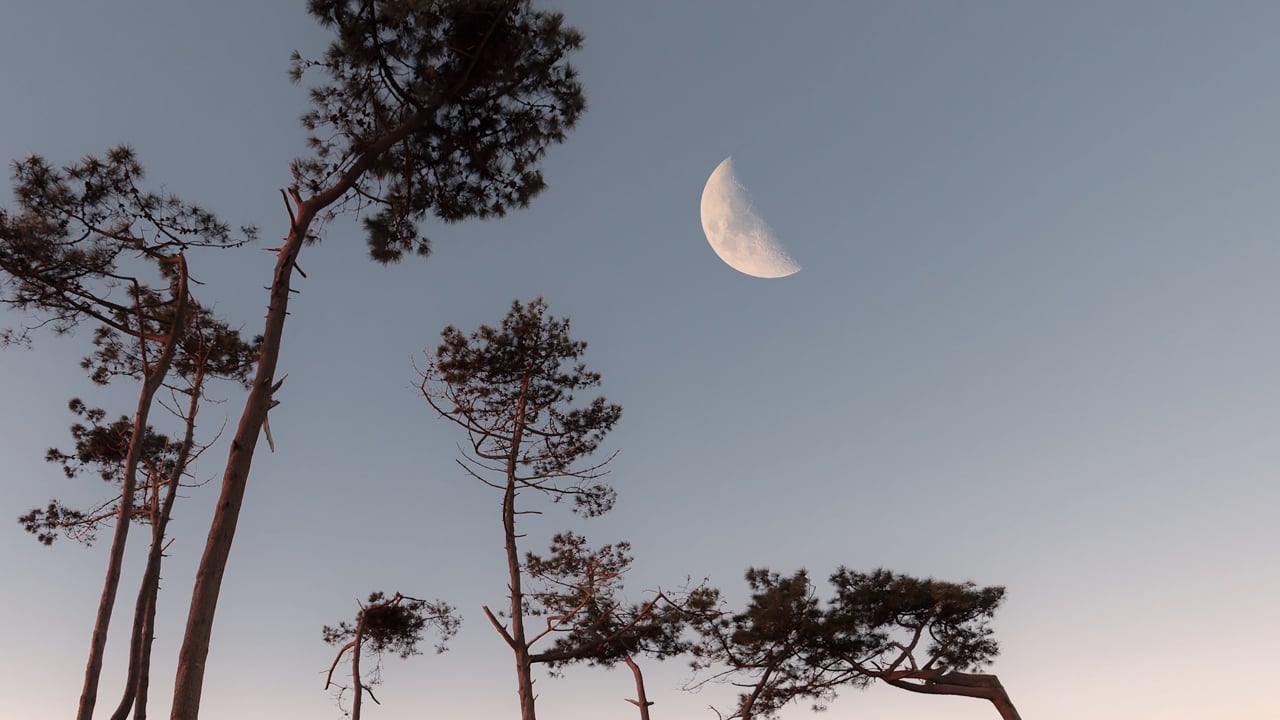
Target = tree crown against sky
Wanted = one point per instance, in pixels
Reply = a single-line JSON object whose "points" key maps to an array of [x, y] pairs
{"points": [[385, 625], [512, 389], [429, 108], [921, 635], [441, 108], [72, 248]]}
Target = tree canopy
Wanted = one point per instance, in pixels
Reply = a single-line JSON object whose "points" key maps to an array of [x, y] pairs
{"points": [[922, 635]]}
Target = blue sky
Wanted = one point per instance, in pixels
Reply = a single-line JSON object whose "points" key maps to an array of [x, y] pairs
{"points": [[1034, 343]]}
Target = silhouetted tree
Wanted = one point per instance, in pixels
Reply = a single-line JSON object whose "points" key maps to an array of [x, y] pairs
{"points": [[512, 389], [385, 625], [429, 108], [924, 636], [208, 349], [578, 590], [80, 247]]}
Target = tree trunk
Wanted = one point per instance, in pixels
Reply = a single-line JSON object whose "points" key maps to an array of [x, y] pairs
{"points": [[189, 681], [144, 662], [149, 591], [356, 681], [642, 700], [524, 667], [974, 685], [519, 642], [747, 710], [152, 380]]}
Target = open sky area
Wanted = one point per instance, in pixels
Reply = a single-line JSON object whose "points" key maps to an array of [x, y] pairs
{"points": [[1035, 343]]}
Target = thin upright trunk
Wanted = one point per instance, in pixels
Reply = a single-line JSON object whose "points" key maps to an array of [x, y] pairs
{"points": [[519, 642], [149, 590], [144, 679], [152, 380], [356, 682], [642, 700]]}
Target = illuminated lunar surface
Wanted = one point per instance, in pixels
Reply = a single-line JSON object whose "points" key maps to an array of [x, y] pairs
{"points": [[736, 232]]}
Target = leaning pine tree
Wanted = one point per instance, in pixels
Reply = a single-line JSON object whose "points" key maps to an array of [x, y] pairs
{"points": [[922, 635], [87, 244], [428, 108]]}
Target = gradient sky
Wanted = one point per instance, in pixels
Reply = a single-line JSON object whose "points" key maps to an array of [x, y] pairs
{"points": [[1034, 343]]}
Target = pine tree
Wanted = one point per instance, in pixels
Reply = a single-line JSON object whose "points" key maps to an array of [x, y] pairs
{"points": [[512, 389], [437, 108], [88, 245], [922, 635], [385, 625]]}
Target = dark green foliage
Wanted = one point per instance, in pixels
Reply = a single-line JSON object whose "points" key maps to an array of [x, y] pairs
{"points": [[385, 625], [876, 608], [208, 345], [774, 643], [208, 349], [396, 624], [512, 389], [787, 646], [49, 522], [573, 574], [446, 106], [101, 447], [65, 253], [581, 587]]}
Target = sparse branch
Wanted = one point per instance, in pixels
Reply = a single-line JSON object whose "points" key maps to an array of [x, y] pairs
{"points": [[502, 630]]}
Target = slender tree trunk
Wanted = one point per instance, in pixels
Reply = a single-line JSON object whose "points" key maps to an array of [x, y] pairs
{"points": [[747, 711], [149, 591], [138, 633], [144, 678], [520, 643], [642, 700], [356, 681], [189, 682], [152, 380]]}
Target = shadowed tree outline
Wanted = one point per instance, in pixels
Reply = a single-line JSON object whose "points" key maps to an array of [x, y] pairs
{"points": [[61, 262], [392, 624], [207, 349], [511, 389], [580, 596], [790, 647], [440, 108]]}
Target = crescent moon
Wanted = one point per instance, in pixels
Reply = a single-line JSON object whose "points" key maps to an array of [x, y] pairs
{"points": [[738, 235]]}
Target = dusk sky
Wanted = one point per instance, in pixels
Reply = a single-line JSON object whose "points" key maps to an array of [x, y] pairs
{"points": [[1035, 343]]}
